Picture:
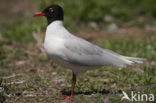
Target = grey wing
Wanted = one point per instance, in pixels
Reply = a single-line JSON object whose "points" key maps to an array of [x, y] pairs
{"points": [[81, 52]]}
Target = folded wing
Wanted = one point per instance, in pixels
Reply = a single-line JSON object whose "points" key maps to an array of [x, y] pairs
{"points": [[80, 52]]}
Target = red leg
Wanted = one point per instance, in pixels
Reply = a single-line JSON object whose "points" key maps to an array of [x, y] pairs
{"points": [[73, 86]]}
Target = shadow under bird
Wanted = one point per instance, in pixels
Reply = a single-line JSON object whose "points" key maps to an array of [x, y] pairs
{"points": [[76, 53]]}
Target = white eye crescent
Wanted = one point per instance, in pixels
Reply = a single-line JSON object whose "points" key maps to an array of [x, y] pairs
{"points": [[51, 10]]}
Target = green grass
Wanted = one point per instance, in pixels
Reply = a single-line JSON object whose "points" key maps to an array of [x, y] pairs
{"points": [[9, 53], [95, 10], [93, 86], [131, 47], [118, 80], [45, 82], [18, 31]]}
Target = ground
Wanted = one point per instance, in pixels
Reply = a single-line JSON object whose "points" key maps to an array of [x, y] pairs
{"points": [[27, 75], [30, 76]]}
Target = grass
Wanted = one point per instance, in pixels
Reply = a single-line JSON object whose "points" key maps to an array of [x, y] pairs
{"points": [[44, 82], [131, 47], [16, 29], [96, 10]]}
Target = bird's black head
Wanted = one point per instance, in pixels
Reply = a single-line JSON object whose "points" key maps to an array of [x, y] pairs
{"points": [[53, 12]]}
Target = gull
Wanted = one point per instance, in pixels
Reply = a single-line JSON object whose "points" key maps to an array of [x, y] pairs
{"points": [[73, 52]]}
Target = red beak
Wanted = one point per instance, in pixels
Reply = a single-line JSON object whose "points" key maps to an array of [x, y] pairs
{"points": [[39, 14]]}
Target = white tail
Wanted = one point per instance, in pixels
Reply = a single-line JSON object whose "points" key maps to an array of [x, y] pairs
{"points": [[131, 60], [122, 61], [135, 59]]}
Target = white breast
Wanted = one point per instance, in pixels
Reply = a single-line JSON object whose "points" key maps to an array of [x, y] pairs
{"points": [[54, 43]]}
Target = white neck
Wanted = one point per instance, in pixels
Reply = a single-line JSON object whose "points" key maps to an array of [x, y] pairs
{"points": [[56, 28], [56, 23]]}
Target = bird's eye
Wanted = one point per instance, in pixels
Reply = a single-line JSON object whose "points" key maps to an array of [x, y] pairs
{"points": [[50, 10]]}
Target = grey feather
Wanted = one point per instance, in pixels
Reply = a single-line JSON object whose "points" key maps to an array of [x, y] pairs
{"points": [[81, 52]]}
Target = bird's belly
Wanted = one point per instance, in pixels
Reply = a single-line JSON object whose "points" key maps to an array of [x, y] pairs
{"points": [[60, 61], [75, 68]]}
